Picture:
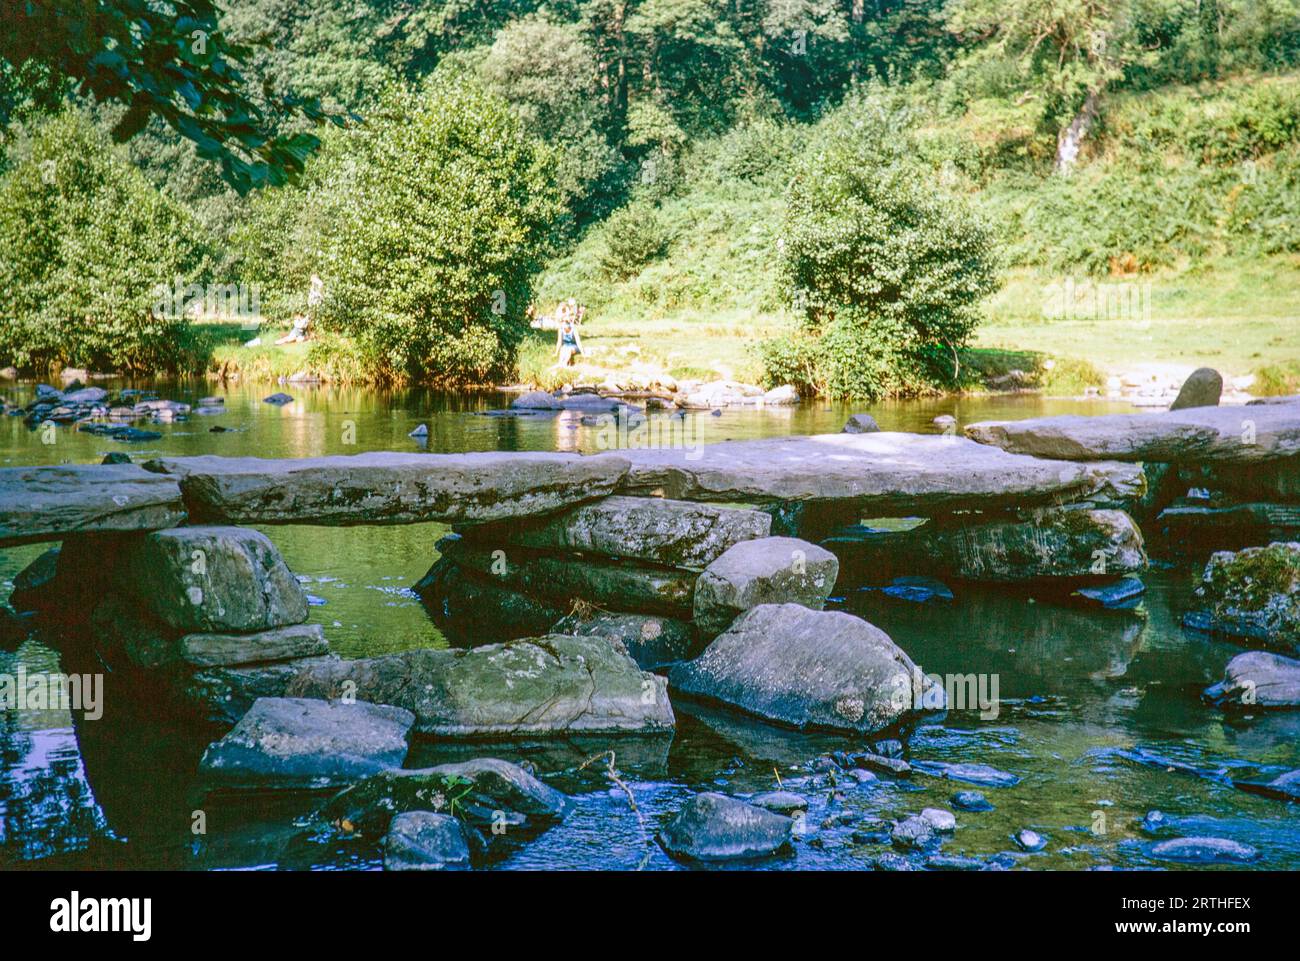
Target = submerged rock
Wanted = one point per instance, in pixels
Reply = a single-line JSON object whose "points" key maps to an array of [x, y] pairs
{"points": [[807, 669], [652, 641], [771, 570], [298, 743], [652, 529], [714, 827], [980, 774], [971, 801], [470, 790], [278, 399], [1257, 680], [1121, 595], [546, 685], [424, 841], [1204, 851], [1285, 787], [918, 590]]}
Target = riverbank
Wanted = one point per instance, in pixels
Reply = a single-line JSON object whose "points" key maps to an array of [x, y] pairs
{"points": [[1058, 334]]}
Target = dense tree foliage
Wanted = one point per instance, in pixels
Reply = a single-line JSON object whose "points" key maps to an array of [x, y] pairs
{"points": [[426, 224], [170, 60], [881, 262], [85, 240], [671, 155]]}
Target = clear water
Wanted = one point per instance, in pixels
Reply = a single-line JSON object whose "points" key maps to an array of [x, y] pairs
{"points": [[1100, 718]]}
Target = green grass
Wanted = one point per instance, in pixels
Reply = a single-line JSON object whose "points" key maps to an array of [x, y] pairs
{"points": [[1240, 316]]}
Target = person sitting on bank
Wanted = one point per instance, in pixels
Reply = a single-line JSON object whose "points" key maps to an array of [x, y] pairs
{"points": [[567, 342], [301, 323]]}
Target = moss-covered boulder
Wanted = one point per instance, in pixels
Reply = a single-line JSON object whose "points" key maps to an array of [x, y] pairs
{"points": [[653, 641], [1255, 594], [545, 685], [210, 579]]}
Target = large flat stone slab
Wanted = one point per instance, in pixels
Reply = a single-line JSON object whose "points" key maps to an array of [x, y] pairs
{"points": [[547, 685], [1037, 545], [1224, 435], [653, 529], [49, 503], [384, 487], [881, 472]]}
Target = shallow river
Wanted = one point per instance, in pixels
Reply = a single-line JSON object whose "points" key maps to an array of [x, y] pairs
{"points": [[1099, 716]]}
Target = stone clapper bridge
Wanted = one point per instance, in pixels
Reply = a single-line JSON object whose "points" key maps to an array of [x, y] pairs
{"points": [[580, 589]]}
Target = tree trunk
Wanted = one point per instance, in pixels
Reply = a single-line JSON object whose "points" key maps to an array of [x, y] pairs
{"points": [[1071, 138]]}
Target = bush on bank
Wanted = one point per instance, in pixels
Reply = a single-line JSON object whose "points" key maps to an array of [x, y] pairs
{"points": [[85, 241], [426, 224], [884, 266]]}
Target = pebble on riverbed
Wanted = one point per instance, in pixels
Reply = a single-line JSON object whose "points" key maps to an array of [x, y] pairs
{"points": [[1028, 840]]}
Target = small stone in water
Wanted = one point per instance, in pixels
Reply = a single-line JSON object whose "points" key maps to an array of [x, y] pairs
{"points": [[277, 399], [421, 431], [861, 776], [1029, 840], [890, 748], [971, 801], [116, 458], [892, 862], [1154, 821], [914, 832], [782, 802], [944, 862], [942, 821]]}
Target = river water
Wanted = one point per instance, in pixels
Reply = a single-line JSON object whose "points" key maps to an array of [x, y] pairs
{"points": [[1099, 717]]}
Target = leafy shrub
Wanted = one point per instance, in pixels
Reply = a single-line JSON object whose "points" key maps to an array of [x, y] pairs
{"points": [[85, 240], [426, 224], [634, 236], [883, 264]]}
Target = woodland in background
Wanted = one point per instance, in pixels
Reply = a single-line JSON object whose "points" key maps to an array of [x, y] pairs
{"points": [[869, 170]]}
